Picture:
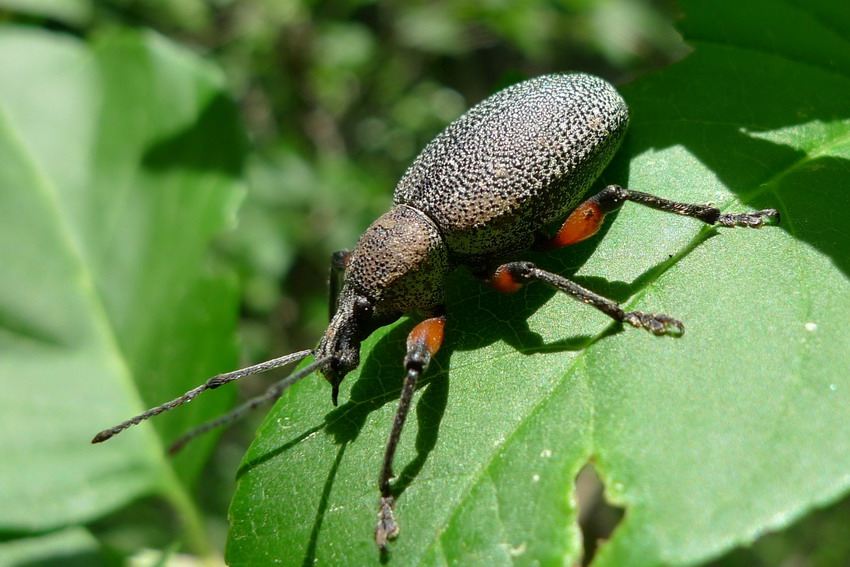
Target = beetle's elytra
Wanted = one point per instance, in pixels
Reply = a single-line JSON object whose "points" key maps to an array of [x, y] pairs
{"points": [[479, 194]]}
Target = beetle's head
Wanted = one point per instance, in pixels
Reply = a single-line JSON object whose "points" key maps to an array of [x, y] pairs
{"points": [[398, 266]]}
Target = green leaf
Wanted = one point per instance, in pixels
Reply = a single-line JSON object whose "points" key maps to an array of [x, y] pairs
{"points": [[118, 163], [709, 440]]}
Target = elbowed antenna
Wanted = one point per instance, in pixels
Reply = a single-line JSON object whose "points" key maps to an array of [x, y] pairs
{"points": [[270, 395], [211, 384]]}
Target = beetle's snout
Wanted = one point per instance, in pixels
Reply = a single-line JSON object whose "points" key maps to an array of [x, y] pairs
{"points": [[341, 341], [335, 371]]}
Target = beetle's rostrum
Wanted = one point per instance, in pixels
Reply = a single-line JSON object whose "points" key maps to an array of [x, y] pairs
{"points": [[479, 194]]}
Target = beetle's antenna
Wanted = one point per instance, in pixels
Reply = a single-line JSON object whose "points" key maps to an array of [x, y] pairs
{"points": [[210, 384], [270, 395]]}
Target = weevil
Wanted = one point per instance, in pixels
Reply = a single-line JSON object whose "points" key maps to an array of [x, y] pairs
{"points": [[482, 192]]}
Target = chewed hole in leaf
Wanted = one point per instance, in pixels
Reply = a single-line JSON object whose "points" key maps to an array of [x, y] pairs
{"points": [[597, 518]]}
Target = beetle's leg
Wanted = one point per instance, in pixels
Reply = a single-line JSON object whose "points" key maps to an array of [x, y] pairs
{"points": [[339, 260], [586, 220], [508, 278], [423, 342]]}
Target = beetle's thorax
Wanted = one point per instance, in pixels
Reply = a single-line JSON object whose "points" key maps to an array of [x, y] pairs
{"points": [[398, 266]]}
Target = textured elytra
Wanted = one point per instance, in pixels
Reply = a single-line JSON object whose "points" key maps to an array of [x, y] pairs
{"points": [[515, 162]]}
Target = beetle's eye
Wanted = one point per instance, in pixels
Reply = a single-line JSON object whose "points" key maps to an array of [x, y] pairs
{"points": [[362, 309]]}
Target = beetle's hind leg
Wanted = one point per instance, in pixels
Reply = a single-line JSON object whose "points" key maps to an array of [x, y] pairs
{"points": [[587, 218], [423, 342]]}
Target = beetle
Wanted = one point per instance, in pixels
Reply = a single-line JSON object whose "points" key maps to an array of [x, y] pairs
{"points": [[482, 192]]}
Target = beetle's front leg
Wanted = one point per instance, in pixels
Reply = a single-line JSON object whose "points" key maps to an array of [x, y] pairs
{"points": [[509, 278], [423, 342]]}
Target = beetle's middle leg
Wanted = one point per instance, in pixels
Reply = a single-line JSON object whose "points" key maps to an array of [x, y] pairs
{"points": [[510, 277], [423, 342]]}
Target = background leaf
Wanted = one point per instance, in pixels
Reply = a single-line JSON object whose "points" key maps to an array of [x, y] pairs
{"points": [[707, 441], [118, 162], [72, 12]]}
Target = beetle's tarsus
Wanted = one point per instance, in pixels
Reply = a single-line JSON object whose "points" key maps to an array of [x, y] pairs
{"points": [[386, 528], [655, 323], [754, 219]]}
